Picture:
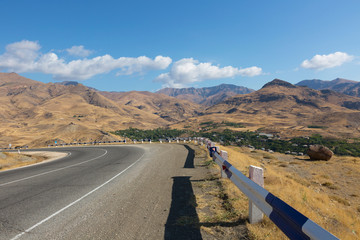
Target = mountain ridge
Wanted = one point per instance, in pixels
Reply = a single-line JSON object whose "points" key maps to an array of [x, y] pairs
{"points": [[341, 85], [282, 108], [33, 113], [208, 95]]}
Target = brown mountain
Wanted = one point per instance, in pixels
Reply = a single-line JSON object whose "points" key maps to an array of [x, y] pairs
{"points": [[206, 96], [35, 113], [281, 107], [168, 108], [341, 85]]}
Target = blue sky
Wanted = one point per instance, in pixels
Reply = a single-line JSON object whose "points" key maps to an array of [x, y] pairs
{"points": [[147, 45]]}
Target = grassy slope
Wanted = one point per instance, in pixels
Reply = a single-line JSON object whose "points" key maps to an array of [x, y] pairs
{"points": [[326, 192]]}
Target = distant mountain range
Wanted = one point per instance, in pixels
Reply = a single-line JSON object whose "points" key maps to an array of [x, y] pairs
{"points": [[34, 113], [208, 95], [340, 85], [289, 110]]}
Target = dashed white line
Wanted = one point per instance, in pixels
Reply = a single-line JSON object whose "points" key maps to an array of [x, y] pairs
{"points": [[74, 202]]}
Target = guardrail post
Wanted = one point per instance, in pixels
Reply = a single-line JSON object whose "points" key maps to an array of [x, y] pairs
{"points": [[257, 175], [225, 156], [217, 150]]}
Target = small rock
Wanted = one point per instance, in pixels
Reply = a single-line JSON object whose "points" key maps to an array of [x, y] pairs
{"points": [[319, 152]]}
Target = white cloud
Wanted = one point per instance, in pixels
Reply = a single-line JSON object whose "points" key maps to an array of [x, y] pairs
{"points": [[78, 51], [250, 71], [321, 62], [20, 55], [188, 70], [25, 56], [141, 64]]}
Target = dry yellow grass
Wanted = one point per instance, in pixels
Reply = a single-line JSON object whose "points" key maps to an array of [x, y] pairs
{"points": [[326, 192], [15, 160]]}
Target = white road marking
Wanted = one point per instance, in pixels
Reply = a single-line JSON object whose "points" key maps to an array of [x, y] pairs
{"points": [[55, 170], [74, 202]]}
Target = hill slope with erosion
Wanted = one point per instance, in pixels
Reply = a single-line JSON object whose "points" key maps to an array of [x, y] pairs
{"points": [[168, 108], [206, 96], [289, 110], [35, 113]]}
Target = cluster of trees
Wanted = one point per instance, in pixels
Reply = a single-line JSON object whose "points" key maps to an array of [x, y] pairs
{"points": [[213, 125], [247, 138], [316, 126], [154, 134], [298, 144], [338, 146]]}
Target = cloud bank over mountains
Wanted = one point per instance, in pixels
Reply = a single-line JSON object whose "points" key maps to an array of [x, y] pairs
{"points": [[25, 57]]}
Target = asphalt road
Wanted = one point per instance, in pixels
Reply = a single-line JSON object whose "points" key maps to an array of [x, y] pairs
{"points": [[105, 192]]}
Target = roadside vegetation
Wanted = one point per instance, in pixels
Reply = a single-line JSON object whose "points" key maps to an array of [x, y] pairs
{"points": [[340, 147], [298, 145], [326, 192], [205, 126], [15, 160], [154, 134], [11, 160]]}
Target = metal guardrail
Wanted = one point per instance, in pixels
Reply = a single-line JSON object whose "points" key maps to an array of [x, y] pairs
{"points": [[294, 224]]}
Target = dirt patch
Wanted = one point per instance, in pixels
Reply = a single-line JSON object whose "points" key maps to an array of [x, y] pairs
{"points": [[16, 160]]}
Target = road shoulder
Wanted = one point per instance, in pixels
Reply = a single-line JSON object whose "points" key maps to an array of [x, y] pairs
{"points": [[218, 218], [13, 160]]}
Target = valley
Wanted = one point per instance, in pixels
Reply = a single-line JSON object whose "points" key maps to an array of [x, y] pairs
{"points": [[36, 114], [271, 127]]}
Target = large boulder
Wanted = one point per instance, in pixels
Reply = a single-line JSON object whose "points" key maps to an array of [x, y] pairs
{"points": [[319, 152]]}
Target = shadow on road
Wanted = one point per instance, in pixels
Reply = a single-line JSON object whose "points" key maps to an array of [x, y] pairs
{"points": [[183, 221], [189, 163]]}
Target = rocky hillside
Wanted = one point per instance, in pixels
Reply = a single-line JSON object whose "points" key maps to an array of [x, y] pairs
{"points": [[340, 85], [168, 108], [206, 96], [281, 107], [281, 95], [35, 113]]}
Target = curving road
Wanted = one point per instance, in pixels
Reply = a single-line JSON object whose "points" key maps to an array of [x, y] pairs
{"points": [[105, 192]]}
